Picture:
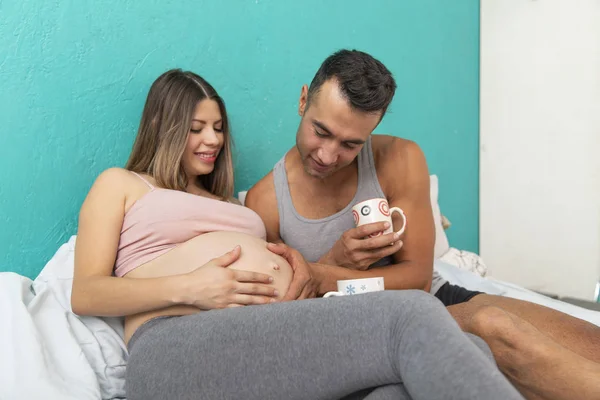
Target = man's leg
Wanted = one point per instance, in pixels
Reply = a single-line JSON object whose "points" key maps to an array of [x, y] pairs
{"points": [[556, 364], [577, 335]]}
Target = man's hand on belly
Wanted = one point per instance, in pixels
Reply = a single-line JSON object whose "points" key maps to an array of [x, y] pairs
{"points": [[305, 283]]}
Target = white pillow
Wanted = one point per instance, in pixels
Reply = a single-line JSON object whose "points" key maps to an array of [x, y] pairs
{"points": [[242, 197], [441, 240]]}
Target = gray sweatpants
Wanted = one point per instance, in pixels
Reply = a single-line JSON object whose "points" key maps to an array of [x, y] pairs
{"points": [[382, 345]]}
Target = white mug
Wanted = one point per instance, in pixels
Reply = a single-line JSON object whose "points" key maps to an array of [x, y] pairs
{"points": [[377, 210], [349, 287]]}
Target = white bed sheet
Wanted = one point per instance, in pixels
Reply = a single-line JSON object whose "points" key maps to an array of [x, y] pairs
{"points": [[489, 285], [46, 351]]}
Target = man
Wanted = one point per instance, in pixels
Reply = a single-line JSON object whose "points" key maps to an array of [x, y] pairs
{"points": [[306, 203]]}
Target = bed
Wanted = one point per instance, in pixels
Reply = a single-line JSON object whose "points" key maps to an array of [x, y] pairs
{"points": [[47, 352]]}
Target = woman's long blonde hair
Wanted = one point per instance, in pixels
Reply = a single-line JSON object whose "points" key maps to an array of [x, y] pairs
{"points": [[164, 129]]}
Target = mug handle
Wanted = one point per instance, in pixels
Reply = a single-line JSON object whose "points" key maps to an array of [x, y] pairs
{"points": [[399, 211], [329, 294]]}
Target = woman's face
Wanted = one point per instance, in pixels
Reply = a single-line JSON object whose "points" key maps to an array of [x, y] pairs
{"points": [[205, 139]]}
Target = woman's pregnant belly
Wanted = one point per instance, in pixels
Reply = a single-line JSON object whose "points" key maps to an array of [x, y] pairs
{"points": [[198, 251]]}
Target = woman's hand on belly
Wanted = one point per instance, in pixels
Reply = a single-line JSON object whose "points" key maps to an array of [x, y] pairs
{"points": [[214, 286]]}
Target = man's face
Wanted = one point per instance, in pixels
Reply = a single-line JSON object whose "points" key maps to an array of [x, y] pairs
{"points": [[331, 133]]}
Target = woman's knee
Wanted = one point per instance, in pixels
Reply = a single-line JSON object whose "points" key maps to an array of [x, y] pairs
{"points": [[416, 300], [411, 303]]}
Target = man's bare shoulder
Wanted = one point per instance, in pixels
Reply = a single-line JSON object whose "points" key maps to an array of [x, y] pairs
{"points": [[394, 151], [262, 199], [262, 190], [399, 163]]}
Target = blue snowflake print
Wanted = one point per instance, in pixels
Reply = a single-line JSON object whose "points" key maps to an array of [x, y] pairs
{"points": [[363, 287], [350, 289]]}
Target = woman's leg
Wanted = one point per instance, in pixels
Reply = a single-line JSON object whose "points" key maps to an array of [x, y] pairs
{"points": [[314, 349], [387, 392], [398, 391]]}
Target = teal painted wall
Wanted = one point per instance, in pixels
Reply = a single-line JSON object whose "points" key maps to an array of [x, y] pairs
{"points": [[74, 76]]}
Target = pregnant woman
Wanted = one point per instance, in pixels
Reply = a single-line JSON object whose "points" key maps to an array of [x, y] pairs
{"points": [[163, 243]]}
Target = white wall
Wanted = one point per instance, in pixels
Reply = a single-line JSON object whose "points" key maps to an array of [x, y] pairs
{"points": [[540, 143]]}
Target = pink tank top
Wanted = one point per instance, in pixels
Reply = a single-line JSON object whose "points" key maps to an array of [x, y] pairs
{"points": [[164, 218]]}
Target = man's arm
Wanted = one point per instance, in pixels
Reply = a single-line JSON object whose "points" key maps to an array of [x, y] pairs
{"points": [[404, 178]]}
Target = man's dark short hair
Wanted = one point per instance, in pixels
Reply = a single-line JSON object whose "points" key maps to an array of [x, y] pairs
{"points": [[364, 81]]}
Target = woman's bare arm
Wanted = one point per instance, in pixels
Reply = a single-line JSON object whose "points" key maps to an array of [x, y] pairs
{"points": [[97, 292]]}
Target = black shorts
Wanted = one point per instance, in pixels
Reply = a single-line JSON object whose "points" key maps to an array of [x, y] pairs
{"points": [[451, 294]]}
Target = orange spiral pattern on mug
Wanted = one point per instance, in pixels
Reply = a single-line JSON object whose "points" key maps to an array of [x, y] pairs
{"points": [[355, 215], [384, 208]]}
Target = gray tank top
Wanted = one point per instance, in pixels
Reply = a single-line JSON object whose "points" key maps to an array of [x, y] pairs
{"points": [[315, 237]]}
